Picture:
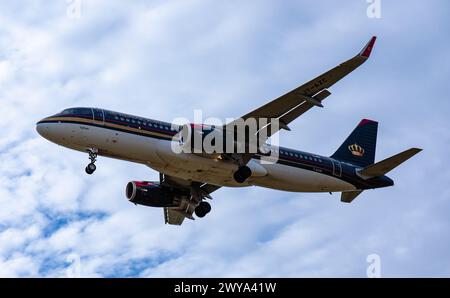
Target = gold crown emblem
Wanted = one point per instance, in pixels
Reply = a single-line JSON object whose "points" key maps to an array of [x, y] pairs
{"points": [[356, 150]]}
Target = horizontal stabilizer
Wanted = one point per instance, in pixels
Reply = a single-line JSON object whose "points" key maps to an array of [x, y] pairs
{"points": [[349, 196], [383, 167]]}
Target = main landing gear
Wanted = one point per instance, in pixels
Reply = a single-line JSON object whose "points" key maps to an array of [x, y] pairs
{"points": [[202, 209], [242, 174], [90, 168]]}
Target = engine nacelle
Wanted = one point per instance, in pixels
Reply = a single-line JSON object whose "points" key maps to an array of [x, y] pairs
{"points": [[150, 193]]}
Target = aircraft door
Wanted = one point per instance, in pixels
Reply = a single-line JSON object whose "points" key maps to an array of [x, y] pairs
{"points": [[337, 168]]}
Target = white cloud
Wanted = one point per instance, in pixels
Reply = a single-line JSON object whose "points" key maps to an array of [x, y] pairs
{"points": [[162, 59]]}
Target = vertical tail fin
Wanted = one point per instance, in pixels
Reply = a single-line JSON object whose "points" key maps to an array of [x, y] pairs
{"points": [[359, 147]]}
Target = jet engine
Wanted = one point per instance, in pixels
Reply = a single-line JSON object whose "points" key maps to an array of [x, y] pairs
{"points": [[150, 193]]}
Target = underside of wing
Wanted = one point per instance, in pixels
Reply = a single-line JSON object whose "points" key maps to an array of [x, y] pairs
{"points": [[197, 192]]}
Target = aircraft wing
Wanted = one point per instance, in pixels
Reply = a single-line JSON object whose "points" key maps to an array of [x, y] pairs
{"points": [[293, 104], [197, 190]]}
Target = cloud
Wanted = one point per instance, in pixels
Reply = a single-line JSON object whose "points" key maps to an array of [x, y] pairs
{"points": [[162, 59]]}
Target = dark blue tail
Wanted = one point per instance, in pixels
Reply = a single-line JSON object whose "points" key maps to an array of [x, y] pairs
{"points": [[359, 147]]}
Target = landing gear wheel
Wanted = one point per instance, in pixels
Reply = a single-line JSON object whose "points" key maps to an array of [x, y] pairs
{"points": [[242, 174], [238, 178], [202, 209], [90, 168], [206, 207]]}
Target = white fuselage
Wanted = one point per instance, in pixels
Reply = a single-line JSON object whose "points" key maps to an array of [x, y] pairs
{"points": [[158, 154]]}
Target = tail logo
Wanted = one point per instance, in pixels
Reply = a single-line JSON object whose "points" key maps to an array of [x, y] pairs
{"points": [[356, 150]]}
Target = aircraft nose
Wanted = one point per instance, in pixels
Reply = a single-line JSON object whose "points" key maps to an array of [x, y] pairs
{"points": [[42, 129], [51, 131]]}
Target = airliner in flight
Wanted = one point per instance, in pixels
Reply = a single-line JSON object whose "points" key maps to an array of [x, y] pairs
{"points": [[187, 179]]}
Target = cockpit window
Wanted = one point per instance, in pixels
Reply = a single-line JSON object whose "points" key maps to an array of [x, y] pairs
{"points": [[83, 112], [67, 112]]}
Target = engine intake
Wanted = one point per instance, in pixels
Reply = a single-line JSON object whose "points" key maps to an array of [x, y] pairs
{"points": [[149, 193]]}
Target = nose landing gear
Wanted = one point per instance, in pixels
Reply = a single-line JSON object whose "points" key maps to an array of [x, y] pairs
{"points": [[90, 168]]}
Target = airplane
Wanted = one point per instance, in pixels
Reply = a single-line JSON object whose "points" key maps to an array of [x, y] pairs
{"points": [[187, 179]]}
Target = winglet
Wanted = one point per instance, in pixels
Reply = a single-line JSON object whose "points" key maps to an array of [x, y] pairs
{"points": [[366, 121], [368, 48]]}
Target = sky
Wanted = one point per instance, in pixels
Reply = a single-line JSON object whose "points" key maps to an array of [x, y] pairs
{"points": [[162, 60]]}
